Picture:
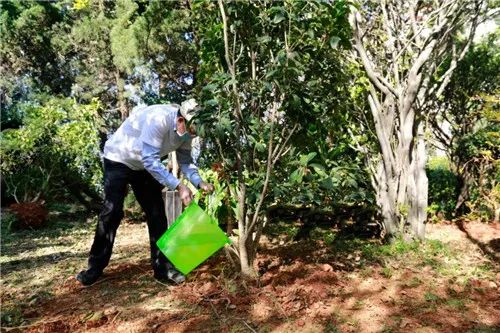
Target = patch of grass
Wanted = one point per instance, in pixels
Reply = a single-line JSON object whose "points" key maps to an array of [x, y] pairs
{"points": [[387, 329], [456, 303], [34, 261], [11, 317], [366, 272], [279, 228], [354, 323], [430, 297], [8, 221], [55, 228], [358, 305], [348, 246], [378, 253], [330, 327], [425, 308], [436, 247], [433, 262], [329, 237], [398, 319], [387, 272], [39, 296], [414, 282], [483, 329], [486, 267]]}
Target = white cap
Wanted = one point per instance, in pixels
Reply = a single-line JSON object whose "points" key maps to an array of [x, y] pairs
{"points": [[188, 109]]}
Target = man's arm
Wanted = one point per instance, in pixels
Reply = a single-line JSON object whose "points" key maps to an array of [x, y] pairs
{"points": [[152, 163], [188, 168]]}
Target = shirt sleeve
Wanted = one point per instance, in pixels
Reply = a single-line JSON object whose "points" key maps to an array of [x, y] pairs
{"points": [[152, 163], [188, 168]]}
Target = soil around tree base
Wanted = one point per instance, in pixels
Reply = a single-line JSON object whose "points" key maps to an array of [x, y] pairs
{"points": [[304, 286]]}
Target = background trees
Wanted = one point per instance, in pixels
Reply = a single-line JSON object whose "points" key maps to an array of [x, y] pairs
{"points": [[54, 153], [300, 106], [402, 47], [465, 123]]}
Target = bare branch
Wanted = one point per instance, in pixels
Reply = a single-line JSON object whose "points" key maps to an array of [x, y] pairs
{"points": [[377, 79], [445, 79], [283, 145], [273, 118]]}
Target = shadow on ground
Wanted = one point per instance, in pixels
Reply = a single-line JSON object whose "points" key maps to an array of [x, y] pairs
{"points": [[304, 286]]}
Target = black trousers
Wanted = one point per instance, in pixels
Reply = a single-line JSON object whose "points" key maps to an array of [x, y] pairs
{"points": [[148, 193]]}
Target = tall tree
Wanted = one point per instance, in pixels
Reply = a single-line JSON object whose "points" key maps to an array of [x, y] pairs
{"points": [[168, 47], [29, 62], [401, 46]]}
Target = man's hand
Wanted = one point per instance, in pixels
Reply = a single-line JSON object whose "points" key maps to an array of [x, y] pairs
{"points": [[206, 187], [185, 194]]}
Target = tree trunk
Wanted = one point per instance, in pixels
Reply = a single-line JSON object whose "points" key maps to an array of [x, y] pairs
{"points": [[246, 259], [386, 202], [404, 80], [418, 187]]}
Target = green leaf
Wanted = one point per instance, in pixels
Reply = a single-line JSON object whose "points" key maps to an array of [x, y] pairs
{"points": [[210, 102], [210, 87], [297, 175], [320, 170], [264, 39], [278, 18], [334, 42], [260, 146], [305, 159], [327, 184]]}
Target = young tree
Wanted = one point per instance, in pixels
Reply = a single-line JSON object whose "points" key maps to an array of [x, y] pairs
{"points": [[255, 58], [401, 46]]}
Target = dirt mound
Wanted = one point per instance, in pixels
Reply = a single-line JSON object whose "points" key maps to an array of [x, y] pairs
{"points": [[30, 214]]}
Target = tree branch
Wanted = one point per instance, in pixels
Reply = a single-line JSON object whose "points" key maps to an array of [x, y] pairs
{"points": [[377, 79]]}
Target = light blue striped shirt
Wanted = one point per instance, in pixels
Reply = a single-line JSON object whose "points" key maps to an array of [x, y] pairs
{"points": [[146, 136]]}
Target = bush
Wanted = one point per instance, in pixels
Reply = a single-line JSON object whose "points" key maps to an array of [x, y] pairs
{"points": [[53, 153], [132, 209], [442, 187], [9, 221]]}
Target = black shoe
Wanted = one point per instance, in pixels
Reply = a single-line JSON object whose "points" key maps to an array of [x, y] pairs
{"points": [[89, 276], [171, 275]]}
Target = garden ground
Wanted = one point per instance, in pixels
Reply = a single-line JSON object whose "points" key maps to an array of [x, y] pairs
{"points": [[326, 283]]}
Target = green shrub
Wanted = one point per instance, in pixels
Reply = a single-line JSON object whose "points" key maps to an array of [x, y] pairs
{"points": [[9, 221], [56, 149], [442, 187], [132, 209]]}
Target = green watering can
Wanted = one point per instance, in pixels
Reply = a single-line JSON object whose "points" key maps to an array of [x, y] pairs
{"points": [[193, 238]]}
